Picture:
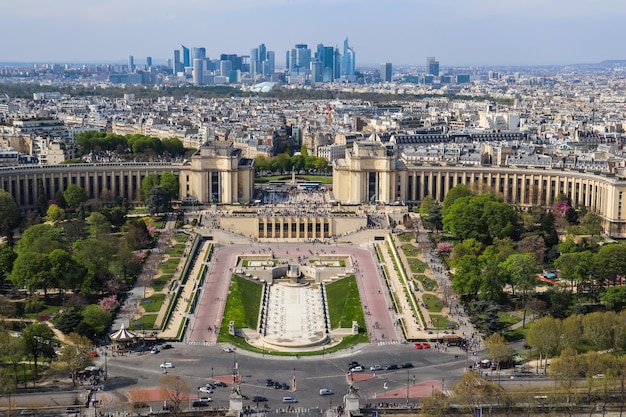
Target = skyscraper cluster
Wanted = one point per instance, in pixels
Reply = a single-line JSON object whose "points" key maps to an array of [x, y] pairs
{"points": [[195, 63], [327, 64]]}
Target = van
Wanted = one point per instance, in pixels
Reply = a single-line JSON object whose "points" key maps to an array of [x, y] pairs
{"points": [[326, 391], [289, 400]]}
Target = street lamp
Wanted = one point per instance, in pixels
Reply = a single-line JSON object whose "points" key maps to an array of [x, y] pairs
{"points": [[234, 368], [211, 372]]}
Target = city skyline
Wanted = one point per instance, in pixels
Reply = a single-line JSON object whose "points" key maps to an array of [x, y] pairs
{"points": [[403, 32]]}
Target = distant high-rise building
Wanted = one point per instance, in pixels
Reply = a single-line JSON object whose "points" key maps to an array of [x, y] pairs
{"points": [[176, 65], [299, 60], [262, 61], [269, 66], [432, 66], [385, 72], [348, 61], [131, 63], [186, 56], [225, 68], [198, 71], [198, 53], [148, 61]]}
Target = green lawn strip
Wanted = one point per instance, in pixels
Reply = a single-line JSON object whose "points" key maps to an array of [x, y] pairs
{"points": [[427, 283], [169, 266], [405, 237], [417, 267], [344, 303], [159, 283], [153, 303], [48, 309], [410, 250], [508, 319], [176, 251], [515, 334], [242, 305], [145, 322], [399, 267], [181, 237], [432, 303], [439, 322]]}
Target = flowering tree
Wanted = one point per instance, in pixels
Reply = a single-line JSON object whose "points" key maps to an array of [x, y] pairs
{"points": [[109, 303], [444, 247]]}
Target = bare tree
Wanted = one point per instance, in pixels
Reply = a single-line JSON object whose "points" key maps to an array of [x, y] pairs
{"points": [[176, 390]]}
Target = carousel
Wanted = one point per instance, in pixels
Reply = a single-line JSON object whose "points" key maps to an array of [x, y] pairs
{"points": [[122, 340]]}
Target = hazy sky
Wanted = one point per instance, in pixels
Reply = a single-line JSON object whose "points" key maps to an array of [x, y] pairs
{"points": [[404, 32]]}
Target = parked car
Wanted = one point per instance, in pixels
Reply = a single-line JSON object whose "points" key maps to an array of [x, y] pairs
{"points": [[406, 365], [206, 390], [358, 368], [72, 410], [167, 365], [221, 384], [326, 391], [285, 386], [228, 349], [289, 400], [154, 350], [259, 398], [425, 345], [277, 385], [93, 354], [269, 382], [391, 366], [376, 368], [418, 346], [352, 364], [166, 346]]}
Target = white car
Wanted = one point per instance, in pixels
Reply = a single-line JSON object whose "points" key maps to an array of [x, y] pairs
{"points": [[229, 349], [167, 365], [206, 390], [356, 369], [376, 368]]}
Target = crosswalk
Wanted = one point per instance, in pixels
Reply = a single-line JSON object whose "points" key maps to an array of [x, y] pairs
{"points": [[200, 343], [389, 342]]}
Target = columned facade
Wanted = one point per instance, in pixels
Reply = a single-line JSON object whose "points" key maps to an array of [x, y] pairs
{"points": [[521, 185], [216, 173]]}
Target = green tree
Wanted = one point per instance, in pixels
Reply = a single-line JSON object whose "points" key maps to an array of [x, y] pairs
{"points": [[614, 298], [38, 339], [425, 206], [7, 259], [522, 270], [544, 336], [158, 200], [74, 356], [75, 196], [148, 183], [40, 238], [610, 262], [64, 271], [170, 183], [467, 278], [55, 214], [591, 223], [97, 318], [9, 214], [498, 349], [454, 194], [575, 267], [566, 370], [99, 224], [32, 271], [13, 349]]}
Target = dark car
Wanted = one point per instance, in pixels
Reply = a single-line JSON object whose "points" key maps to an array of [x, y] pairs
{"points": [[406, 365], [166, 346], [277, 385], [269, 382], [285, 386], [353, 364], [221, 384], [391, 366], [259, 398]]}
